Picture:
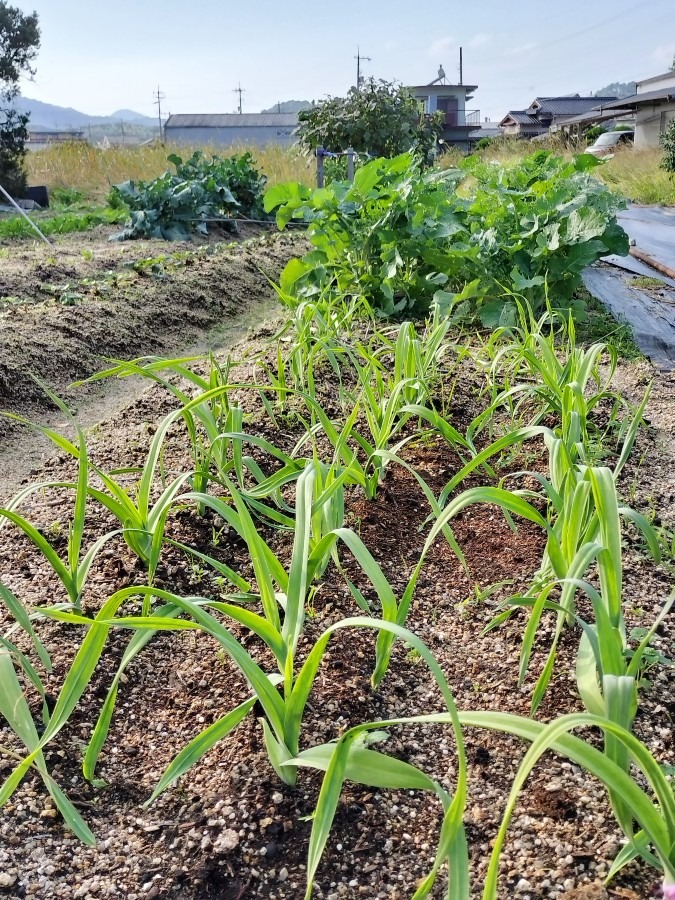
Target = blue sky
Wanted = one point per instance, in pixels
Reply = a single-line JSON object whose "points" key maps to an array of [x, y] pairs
{"points": [[101, 56]]}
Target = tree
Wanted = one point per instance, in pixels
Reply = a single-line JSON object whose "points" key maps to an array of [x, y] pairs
{"points": [[381, 118], [19, 43]]}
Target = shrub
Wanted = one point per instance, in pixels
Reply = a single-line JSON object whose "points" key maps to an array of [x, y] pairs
{"points": [[668, 148], [484, 143], [592, 134], [381, 118]]}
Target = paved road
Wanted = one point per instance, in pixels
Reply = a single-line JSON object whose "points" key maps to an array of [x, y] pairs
{"points": [[653, 229], [651, 313]]}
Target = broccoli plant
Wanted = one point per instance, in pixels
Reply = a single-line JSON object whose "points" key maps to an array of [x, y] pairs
{"points": [[173, 206]]}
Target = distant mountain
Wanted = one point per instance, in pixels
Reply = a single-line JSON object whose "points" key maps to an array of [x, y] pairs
{"points": [[47, 116], [618, 89], [134, 118], [289, 106]]}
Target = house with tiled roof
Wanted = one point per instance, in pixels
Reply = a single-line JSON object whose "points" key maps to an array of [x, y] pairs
{"points": [[544, 112]]}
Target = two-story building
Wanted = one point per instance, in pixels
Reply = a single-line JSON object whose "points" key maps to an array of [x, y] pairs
{"points": [[451, 100]]}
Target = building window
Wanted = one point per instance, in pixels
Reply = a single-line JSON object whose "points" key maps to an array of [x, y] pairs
{"points": [[448, 105]]}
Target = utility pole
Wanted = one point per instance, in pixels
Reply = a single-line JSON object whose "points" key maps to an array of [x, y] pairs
{"points": [[239, 90], [359, 59], [159, 96], [461, 67], [122, 127]]}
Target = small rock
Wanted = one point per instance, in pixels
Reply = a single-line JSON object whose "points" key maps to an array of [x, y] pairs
{"points": [[283, 875], [7, 880], [523, 885], [226, 841], [277, 798]]}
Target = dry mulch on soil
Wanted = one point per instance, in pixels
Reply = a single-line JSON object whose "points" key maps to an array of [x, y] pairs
{"points": [[229, 829], [63, 311]]}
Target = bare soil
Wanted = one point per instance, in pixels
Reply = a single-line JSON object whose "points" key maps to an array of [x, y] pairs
{"points": [[65, 312], [229, 829]]}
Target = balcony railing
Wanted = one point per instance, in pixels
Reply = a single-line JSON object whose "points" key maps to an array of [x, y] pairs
{"points": [[462, 118]]}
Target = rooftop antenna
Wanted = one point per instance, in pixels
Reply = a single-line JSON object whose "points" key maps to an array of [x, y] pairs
{"points": [[239, 90], [461, 67], [359, 59]]}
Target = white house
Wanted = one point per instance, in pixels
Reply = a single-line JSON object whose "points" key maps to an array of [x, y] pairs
{"points": [[654, 105], [450, 99]]}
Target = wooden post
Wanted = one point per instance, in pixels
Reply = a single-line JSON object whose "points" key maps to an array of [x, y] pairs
{"points": [[320, 177], [350, 164]]}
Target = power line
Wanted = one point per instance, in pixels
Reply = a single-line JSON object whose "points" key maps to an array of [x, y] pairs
{"points": [[159, 96], [602, 24], [239, 90], [359, 59]]}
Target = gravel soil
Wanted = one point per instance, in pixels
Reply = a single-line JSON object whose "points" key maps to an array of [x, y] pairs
{"points": [[229, 829]]}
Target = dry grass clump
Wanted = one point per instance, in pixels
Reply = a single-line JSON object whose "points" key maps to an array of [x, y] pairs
{"points": [[93, 170], [637, 174]]}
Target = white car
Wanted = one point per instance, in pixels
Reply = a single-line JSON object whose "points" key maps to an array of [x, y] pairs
{"points": [[609, 141]]}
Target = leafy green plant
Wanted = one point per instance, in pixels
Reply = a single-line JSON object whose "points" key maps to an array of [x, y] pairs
{"points": [[403, 239], [16, 712], [239, 173], [173, 206], [277, 588], [142, 521], [72, 572], [62, 223], [656, 821], [586, 528], [538, 225], [383, 237], [65, 196]]}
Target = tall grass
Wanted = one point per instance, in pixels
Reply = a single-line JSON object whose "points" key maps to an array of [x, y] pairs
{"points": [[635, 174], [93, 170]]}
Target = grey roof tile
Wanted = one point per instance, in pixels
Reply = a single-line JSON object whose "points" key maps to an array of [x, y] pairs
{"points": [[232, 120]]}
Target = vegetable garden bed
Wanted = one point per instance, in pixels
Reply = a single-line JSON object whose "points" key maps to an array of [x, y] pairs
{"points": [[321, 618]]}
